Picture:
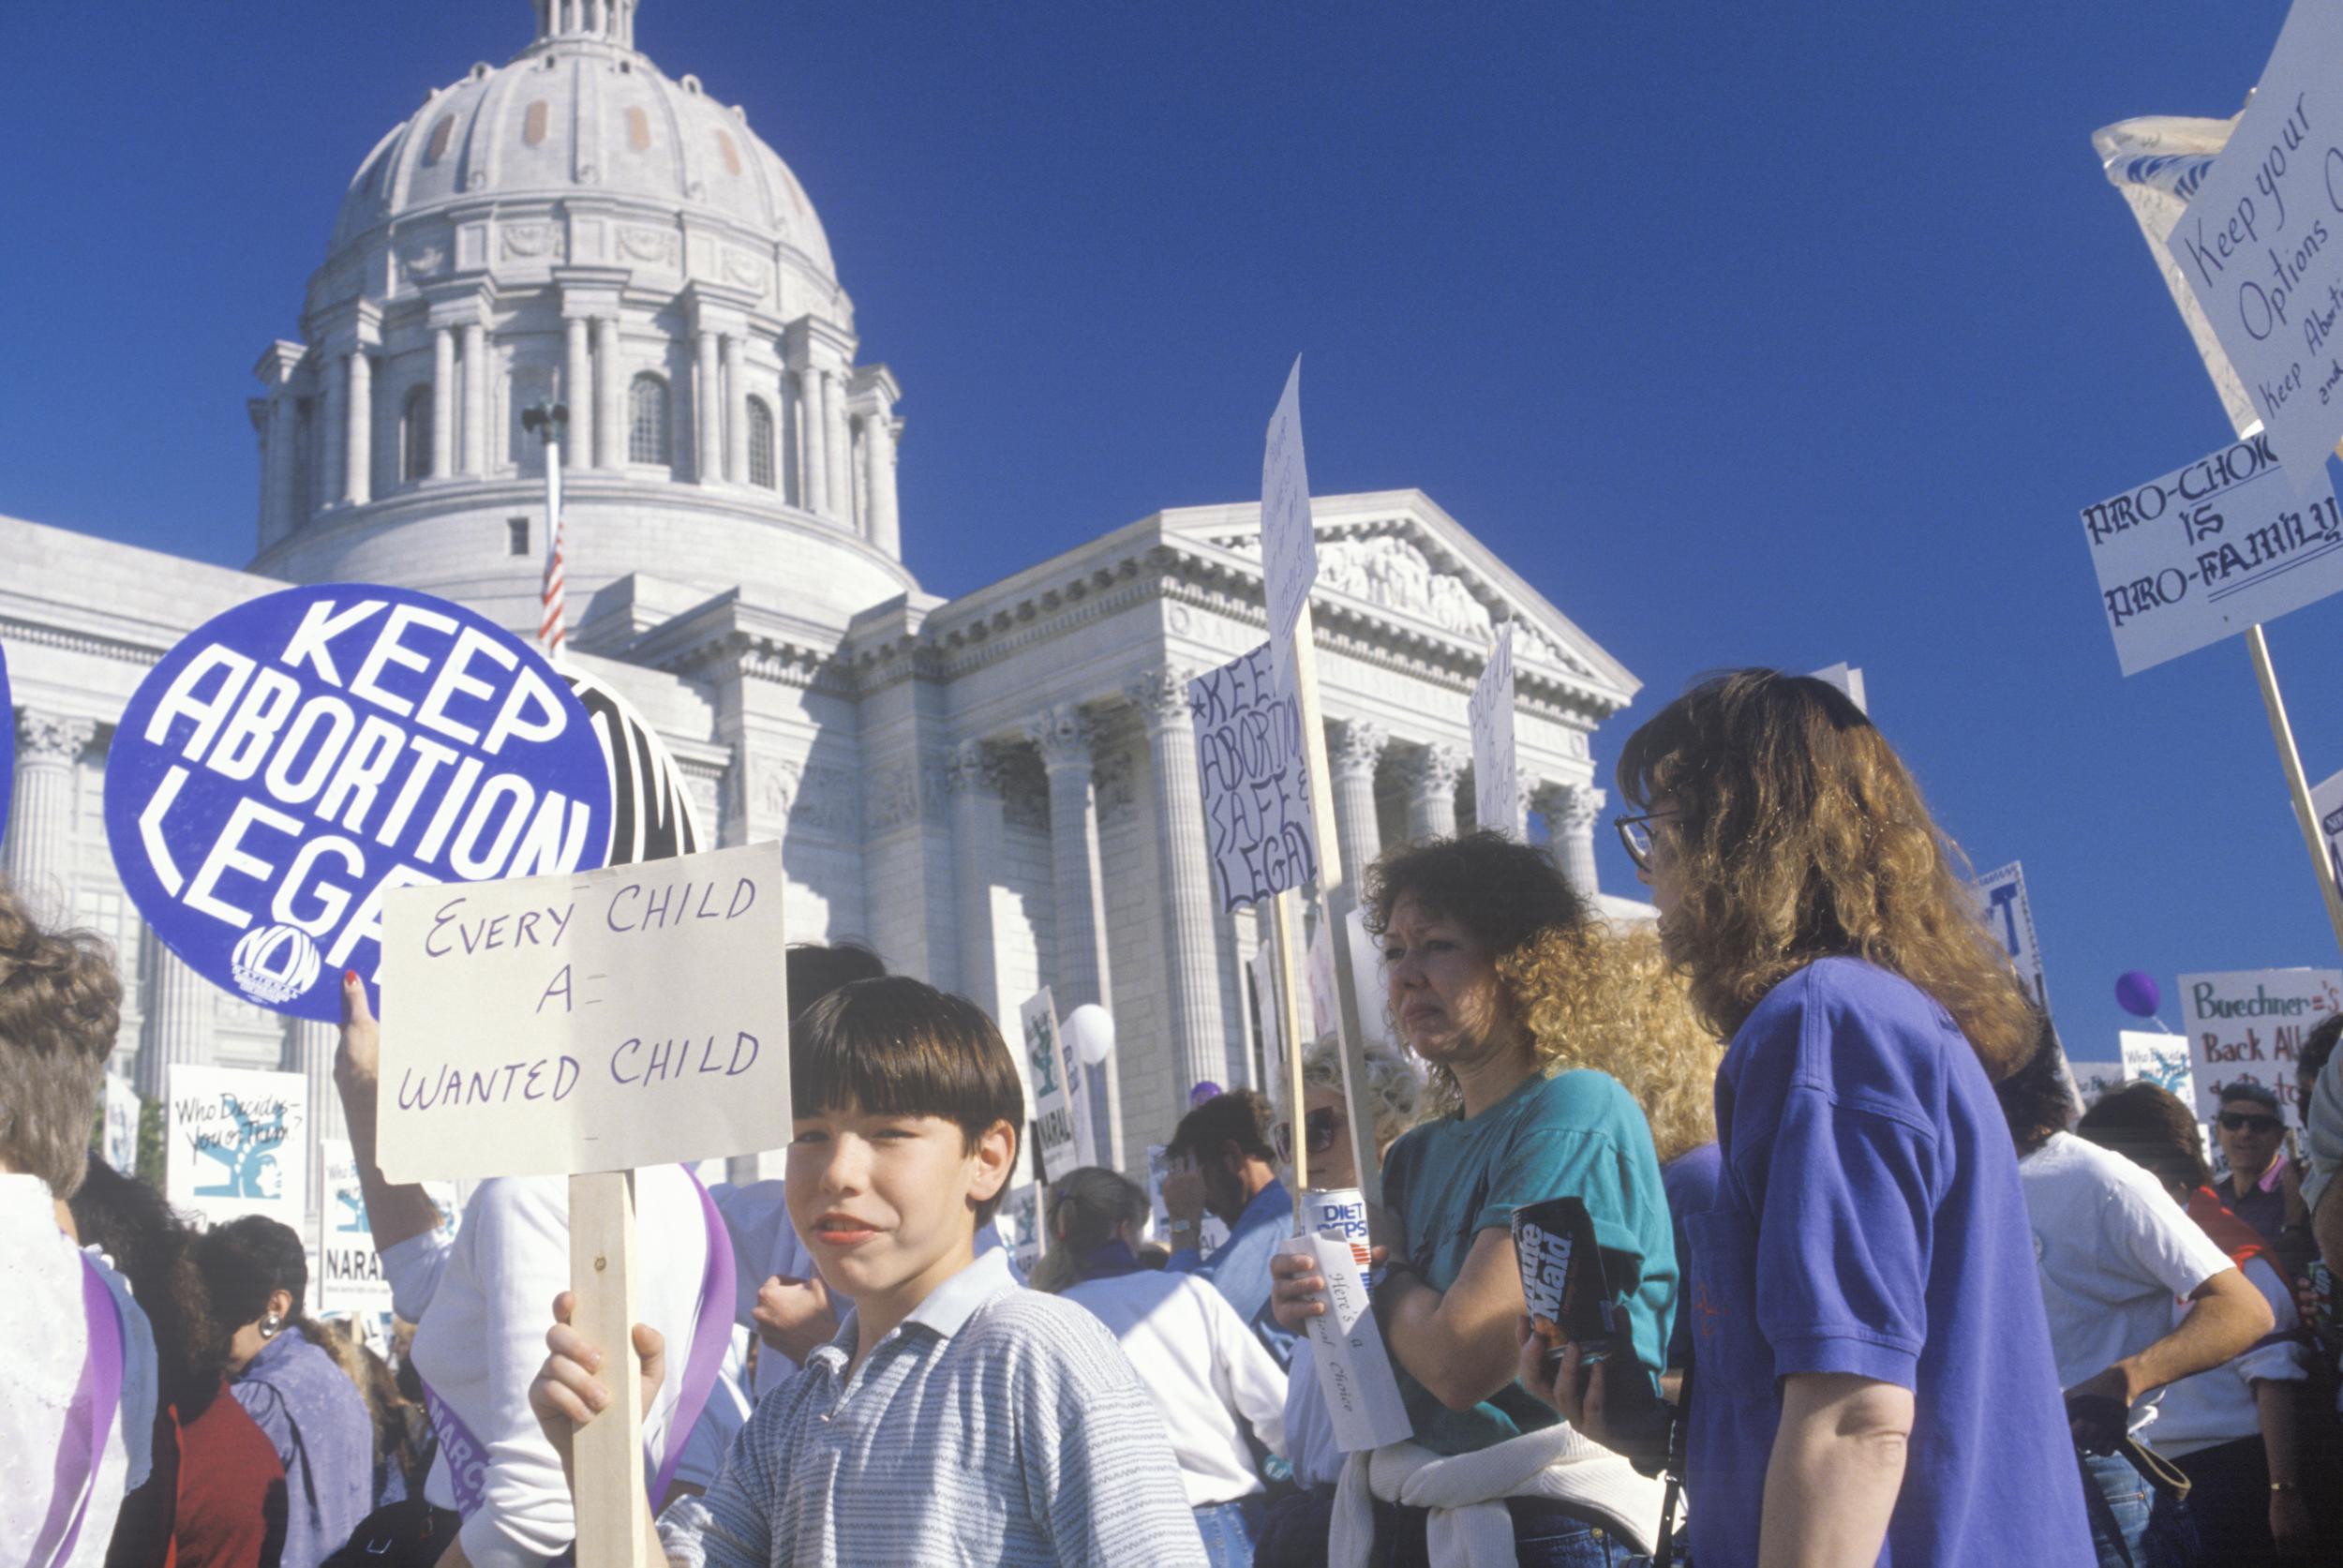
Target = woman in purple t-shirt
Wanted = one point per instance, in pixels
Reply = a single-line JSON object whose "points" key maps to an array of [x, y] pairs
{"points": [[1872, 1371]]}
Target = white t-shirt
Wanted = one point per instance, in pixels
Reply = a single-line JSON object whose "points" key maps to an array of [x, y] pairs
{"points": [[1207, 1371], [2217, 1405], [40, 1279], [485, 1302], [2113, 1252]]}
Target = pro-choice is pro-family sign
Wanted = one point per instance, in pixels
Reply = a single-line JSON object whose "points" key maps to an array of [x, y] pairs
{"points": [[2210, 549], [296, 758]]}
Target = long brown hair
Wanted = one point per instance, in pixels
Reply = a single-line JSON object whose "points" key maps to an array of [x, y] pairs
{"points": [[1799, 835]]}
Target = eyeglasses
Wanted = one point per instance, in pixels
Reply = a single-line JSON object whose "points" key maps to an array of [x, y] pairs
{"points": [[1318, 1130], [1636, 833], [2248, 1121]]}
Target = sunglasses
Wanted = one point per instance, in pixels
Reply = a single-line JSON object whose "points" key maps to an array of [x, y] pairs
{"points": [[1636, 833], [1318, 1130], [2246, 1121]]}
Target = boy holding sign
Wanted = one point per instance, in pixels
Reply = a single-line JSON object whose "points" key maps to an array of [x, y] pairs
{"points": [[956, 1417]]}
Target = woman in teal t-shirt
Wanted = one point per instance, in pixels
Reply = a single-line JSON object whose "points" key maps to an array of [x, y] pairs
{"points": [[1472, 929]]}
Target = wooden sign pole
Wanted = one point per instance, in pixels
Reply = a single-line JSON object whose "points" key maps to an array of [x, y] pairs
{"points": [[2297, 785], [1334, 902], [1287, 937], [613, 1517]]}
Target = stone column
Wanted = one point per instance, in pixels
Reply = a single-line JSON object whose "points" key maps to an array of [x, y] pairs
{"points": [[878, 454], [442, 402], [309, 1051], [839, 450], [706, 423], [284, 436], [609, 397], [358, 430], [1076, 894], [1191, 959], [49, 748], [1433, 774], [973, 778], [578, 395], [476, 399], [814, 431], [1353, 746], [179, 1017], [1571, 811], [736, 396], [333, 378]]}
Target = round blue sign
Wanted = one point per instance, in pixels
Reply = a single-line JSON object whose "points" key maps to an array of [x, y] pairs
{"points": [[296, 758]]}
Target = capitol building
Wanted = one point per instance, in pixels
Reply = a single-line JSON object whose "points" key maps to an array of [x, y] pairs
{"points": [[996, 791]]}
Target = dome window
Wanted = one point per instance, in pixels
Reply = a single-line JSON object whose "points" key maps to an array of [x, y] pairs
{"points": [[638, 130], [435, 148], [760, 444], [732, 154], [533, 124], [647, 420], [415, 436]]}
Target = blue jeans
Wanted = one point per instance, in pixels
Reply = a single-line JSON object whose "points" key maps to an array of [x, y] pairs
{"points": [[1229, 1529], [2116, 1499], [1545, 1535]]}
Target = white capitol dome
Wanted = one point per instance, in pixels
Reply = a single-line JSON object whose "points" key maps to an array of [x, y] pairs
{"points": [[576, 227]]}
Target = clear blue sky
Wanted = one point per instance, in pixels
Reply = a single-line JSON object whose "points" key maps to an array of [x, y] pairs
{"points": [[1749, 334]]}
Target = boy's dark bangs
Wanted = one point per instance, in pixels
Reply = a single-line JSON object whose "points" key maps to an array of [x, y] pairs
{"points": [[894, 1046]]}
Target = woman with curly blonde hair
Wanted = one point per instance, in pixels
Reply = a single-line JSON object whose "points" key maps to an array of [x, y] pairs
{"points": [[1476, 933], [1872, 1362]]}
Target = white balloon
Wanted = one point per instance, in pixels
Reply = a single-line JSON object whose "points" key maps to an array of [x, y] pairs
{"points": [[1089, 1029]]}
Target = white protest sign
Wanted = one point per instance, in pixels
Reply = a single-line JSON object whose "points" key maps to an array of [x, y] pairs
{"points": [[349, 1275], [1849, 681], [236, 1142], [1289, 544], [2209, 550], [627, 1017], [1347, 1351], [1251, 762], [2010, 916], [1265, 1002], [2259, 246], [1055, 1128], [121, 1146], [1019, 1220], [2094, 1079], [2153, 1058], [2247, 1027], [1325, 996], [1158, 1213], [2326, 803], [1367, 977], [1495, 775]]}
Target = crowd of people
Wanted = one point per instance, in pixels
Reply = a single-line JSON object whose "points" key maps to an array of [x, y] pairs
{"points": [[1880, 1287]]}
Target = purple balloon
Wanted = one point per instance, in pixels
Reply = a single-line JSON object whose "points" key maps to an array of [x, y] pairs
{"points": [[1202, 1092], [2138, 994]]}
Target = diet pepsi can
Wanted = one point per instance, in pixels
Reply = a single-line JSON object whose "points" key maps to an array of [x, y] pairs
{"points": [[1341, 1210]]}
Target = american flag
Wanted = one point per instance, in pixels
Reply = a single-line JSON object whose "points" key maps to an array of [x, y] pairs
{"points": [[550, 627]]}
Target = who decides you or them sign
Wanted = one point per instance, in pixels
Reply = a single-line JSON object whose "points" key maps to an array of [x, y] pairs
{"points": [[2248, 1025], [1060, 1098], [2150, 1057], [2209, 550], [1255, 773], [296, 759], [236, 1142], [621, 1018], [1495, 774], [2261, 245], [2010, 915]]}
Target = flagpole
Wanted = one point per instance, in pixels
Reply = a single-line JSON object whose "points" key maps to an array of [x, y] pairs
{"points": [[549, 423]]}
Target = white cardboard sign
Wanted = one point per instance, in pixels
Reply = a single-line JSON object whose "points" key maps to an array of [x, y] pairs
{"points": [[1354, 1368], [349, 1275], [1849, 679], [2248, 1025], [2261, 245], [1056, 1089], [1254, 768], [1289, 544], [236, 1142], [2326, 802], [2210, 549], [1495, 774], [2094, 1079], [2157, 1058], [121, 1147], [1265, 1002], [2011, 917], [625, 1017]]}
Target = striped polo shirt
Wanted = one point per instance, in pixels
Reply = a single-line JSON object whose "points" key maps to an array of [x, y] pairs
{"points": [[994, 1425]]}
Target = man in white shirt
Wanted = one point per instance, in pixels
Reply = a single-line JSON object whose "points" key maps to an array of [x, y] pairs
{"points": [[2115, 1253], [75, 1428]]}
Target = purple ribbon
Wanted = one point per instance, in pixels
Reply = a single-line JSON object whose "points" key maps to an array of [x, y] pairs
{"points": [[88, 1422]]}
